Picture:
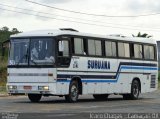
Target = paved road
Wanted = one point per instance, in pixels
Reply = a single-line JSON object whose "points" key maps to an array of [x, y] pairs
{"points": [[56, 107]]}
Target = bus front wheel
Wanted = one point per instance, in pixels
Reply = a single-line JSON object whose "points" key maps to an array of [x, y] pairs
{"points": [[73, 92], [34, 97]]}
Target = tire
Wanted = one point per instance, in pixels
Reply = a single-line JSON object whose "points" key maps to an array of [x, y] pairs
{"points": [[135, 90], [100, 96], [73, 92], [34, 97]]}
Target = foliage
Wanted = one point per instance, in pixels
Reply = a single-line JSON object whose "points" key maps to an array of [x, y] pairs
{"points": [[3, 72], [5, 33], [145, 35]]}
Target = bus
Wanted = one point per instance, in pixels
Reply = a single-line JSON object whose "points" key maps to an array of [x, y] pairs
{"points": [[69, 63]]}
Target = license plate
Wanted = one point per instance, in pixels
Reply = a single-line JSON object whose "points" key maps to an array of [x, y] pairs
{"points": [[27, 87]]}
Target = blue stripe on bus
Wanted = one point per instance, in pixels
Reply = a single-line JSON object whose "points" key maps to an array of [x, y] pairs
{"points": [[99, 80], [107, 76], [110, 78], [143, 68], [115, 80]]}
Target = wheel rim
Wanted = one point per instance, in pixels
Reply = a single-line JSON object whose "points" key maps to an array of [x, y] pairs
{"points": [[135, 90], [74, 92]]}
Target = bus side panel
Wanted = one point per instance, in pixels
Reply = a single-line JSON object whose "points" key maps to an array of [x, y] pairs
{"points": [[150, 80], [109, 85], [154, 78], [145, 83], [84, 88], [125, 82], [79, 65], [63, 81], [112, 87], [52, 88], [145, 73], [94, 83], [94, 88], [125, 76], [62, 88]]}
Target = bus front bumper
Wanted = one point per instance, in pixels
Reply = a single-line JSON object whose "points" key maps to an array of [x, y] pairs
{"points": [[45, 88]]}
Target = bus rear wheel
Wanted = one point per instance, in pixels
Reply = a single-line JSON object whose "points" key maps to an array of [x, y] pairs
{"points": [[34, 97], [100, 96], [73, 92], [135, 90]]}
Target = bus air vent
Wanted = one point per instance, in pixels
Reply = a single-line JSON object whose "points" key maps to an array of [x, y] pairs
{"points": [[117, 35], [68, 29], [153, 81]]}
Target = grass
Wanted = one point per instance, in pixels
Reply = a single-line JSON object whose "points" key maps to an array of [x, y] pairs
{"points": [[3, 90], [3, 75]]}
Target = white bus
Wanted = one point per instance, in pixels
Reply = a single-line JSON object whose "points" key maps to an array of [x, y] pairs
{"points": [[68, 63]]}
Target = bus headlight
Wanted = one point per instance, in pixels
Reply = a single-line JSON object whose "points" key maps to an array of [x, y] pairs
{"points": [[43, 87], [10, 87]]}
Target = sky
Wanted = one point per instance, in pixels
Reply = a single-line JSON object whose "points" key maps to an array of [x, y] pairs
{"points": [[117, 16]]}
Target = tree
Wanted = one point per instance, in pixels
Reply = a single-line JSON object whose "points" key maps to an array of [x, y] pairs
{"points": [[15, 30], [5, 33], [145, 35], [5, 29]]}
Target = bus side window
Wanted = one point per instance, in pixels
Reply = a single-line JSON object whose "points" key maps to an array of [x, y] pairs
{"points": [[63, 53], [79, 46], [136, 51], [94, 47], [123, 50], [110, 49], [63, 47], [149, 52]]}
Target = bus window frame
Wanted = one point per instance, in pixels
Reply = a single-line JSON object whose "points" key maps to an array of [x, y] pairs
{"points": [[95, 39], [155, 52], [32, 66], [104, 49], [57, 39], [103, 46], [133, 58], [119, 57]]}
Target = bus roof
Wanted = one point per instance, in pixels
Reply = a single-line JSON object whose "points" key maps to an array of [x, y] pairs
{"points": [[46, 33]]}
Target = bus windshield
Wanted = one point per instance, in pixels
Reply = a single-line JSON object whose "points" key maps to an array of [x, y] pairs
{"points": [[35, 51]]}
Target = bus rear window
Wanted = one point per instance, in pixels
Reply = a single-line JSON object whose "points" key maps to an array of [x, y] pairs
{"points": [[149, 52]]}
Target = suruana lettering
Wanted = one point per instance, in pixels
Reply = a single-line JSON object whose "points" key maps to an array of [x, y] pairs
{"points": [[98, 64]]}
